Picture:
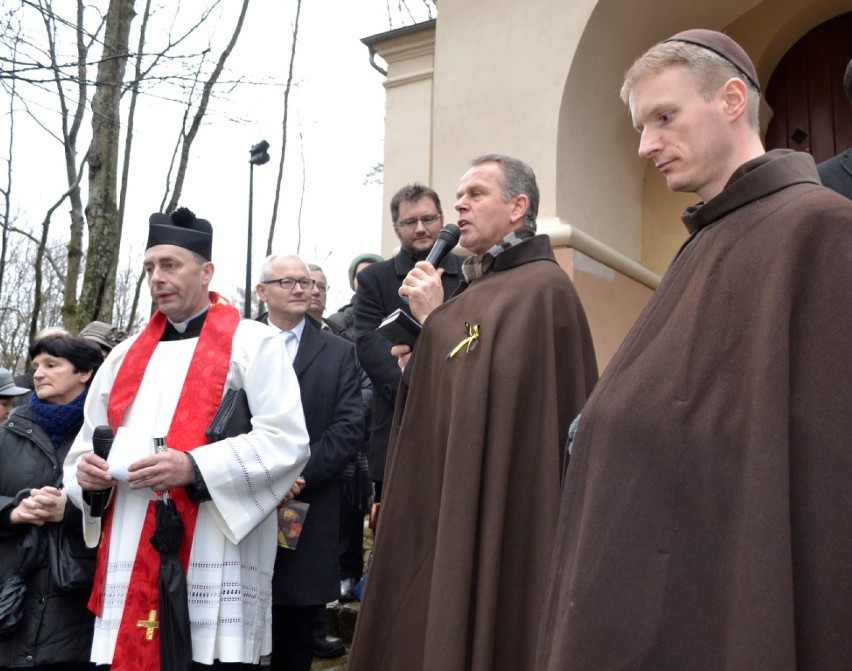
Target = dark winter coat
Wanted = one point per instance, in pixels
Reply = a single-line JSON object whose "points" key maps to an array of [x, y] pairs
{"points": [[342, 322], [378, 285], [57, 626], [705, 521], [836, 173], [331, 399], [472, 491]]}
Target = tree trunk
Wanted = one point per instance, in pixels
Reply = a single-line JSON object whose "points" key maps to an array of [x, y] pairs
{"points": [[96, 300], [131, 116]]}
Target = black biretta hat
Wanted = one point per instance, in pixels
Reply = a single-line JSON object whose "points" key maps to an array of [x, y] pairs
{"points": [[181, 228], [722, 45]]}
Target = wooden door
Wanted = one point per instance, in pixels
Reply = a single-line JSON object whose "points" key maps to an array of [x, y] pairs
{"points": [[811, 111]]}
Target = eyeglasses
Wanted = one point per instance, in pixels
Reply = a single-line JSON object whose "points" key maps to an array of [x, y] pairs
{"points": [[322, 286], [287, 283], [427, 219]]}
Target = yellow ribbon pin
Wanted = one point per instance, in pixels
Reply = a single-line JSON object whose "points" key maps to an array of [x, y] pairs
{"points": [[470, 342]]}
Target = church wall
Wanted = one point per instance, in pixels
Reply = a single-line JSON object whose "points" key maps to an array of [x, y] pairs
{"points": [[540, 80]]}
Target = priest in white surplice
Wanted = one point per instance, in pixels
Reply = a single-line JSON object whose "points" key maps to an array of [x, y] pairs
{"points": [[168, 382]]}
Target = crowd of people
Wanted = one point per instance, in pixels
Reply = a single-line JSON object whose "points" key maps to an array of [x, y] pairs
{"points": [[192, 496]]}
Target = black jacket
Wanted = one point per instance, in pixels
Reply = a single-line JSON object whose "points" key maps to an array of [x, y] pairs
{"points": [[331, 399], [378, 285], [836, 173], [57, 626]]}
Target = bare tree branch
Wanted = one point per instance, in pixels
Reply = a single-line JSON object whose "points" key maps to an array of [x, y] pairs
{"points": [[287, 86], [202, 109], [131, 116], [7, 191]]}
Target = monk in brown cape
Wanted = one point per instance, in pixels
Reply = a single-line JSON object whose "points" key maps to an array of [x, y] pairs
{"points": [[705, 520], [472, 486]]}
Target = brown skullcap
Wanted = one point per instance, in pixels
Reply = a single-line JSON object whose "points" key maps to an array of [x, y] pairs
{"points": [[722, 45], [105, 335], [181, 228]]}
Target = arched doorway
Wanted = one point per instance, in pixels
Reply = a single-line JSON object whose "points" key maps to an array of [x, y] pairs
{"points": [[810, 110]]}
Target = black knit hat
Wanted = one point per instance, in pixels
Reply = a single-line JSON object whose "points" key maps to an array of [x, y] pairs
{"points": [[724, 46], [181, 228]]}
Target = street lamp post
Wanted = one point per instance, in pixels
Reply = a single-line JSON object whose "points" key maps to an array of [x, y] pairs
{"points": [[259, 156]]}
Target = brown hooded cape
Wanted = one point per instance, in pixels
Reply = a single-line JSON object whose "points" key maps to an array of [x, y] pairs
{"points": [[706, 519], [472, 487]]}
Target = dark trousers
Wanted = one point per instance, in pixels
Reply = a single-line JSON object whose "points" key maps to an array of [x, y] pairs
{"points": [[351, 542], [292, 637]]}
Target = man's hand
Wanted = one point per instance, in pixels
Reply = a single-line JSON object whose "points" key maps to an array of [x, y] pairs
{"points": [[92, 473], [424, 290], [167, 470], [295, 490], [42, 505], [402, 354]]}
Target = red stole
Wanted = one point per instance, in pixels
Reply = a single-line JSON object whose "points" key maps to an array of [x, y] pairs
{"points": [[138, 646]]}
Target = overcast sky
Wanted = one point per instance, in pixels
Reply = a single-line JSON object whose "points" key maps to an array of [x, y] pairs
{"points": [[335, 138]]}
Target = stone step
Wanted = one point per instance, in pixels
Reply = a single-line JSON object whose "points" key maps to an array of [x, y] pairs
{"points": [[340, 619]]}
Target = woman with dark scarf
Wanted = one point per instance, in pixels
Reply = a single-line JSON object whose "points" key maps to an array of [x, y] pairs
{"points": [[56, 628]]}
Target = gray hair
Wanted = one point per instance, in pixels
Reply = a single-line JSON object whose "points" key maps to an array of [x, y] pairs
{"points": [[518, 178]]}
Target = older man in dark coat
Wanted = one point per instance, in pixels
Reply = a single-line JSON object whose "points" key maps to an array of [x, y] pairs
{"points": [[705, 516], [308, 577]]}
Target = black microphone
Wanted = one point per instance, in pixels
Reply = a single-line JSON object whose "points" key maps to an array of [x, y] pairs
{"points": [[447, 239], [102, 442]]}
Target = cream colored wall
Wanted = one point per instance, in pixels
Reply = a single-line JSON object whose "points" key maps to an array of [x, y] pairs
{"points": [[408, 119], [500, 68]]}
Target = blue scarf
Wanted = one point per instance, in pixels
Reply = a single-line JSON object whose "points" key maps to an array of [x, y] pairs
{"points": [[56, 418]]}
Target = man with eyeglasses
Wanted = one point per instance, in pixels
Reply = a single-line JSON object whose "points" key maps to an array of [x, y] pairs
{"points": [[418, 218], [307, 578], [319, 295]]}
